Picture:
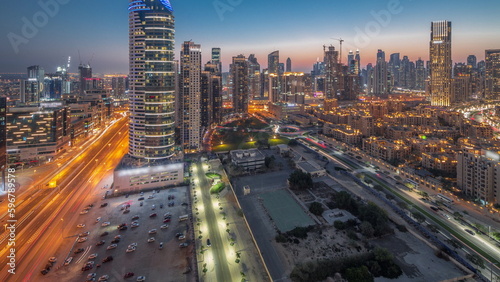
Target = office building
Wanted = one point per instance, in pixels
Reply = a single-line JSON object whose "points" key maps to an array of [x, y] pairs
{"points": [[190, 93], [332, 72], [288, 65], [441, 64], [379, 79], [420, 75], [273, 61], [472, 61], [239, 75], [492, 65], [394, 67], [85, 72], [152, 80], [32, 88]]}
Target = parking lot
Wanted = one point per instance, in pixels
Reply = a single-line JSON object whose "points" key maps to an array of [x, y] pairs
{"points": [[144, 257]]}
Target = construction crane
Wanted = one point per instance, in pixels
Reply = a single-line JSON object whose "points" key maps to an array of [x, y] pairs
{"points": [[341, 41]]}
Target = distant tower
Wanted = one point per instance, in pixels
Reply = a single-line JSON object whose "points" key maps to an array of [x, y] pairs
{"points": [[190, 88], [239, 74], [152, 80], [492, 73], [420, 75], [441, 64], [288, 65], [216, 59], [472, 61], [357, 67], [350, 61], [331, 72], [85, 72], [273, 61], [380, 76], [33, 87]]}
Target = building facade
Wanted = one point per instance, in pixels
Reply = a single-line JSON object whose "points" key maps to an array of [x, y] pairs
{"points": [[152, 80], [441, 64]]}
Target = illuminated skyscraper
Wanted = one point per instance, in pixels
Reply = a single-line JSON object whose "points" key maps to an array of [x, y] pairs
{"points": [[332, 71], [190, 89], [152, 79], [441, 64], [239, 75], [492, 73], [273, 61]]}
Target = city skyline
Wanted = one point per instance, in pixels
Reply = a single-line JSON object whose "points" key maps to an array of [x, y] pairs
{"points": [[396, 27]]}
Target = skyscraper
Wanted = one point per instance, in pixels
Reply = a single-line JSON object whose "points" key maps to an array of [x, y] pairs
{"points": [[85, 72], [380, 77], [357, 67], [441, 64], [395, 67], [239, 74], [273, 61], [472, 61], [332, 71], [420, 75], [216, 59], [288, 65], [33, 87], [152, 80], [492, 73], [190, 93]]}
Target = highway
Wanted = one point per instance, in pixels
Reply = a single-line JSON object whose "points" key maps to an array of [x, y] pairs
{"points": [[215, 256], [47, 218], [474, 242]]}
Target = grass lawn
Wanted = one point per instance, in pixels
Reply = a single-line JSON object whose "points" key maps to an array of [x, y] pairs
{"points": [[213, 175], [217, 188]]}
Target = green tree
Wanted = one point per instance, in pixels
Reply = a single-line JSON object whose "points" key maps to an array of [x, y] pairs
{"points": [[382, 255], [358, 274], [418, 217], [366, 229], [316, 208], [300, 180]]}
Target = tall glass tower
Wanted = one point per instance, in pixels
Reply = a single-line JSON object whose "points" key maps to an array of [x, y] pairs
{"points": [[152, 79], [441, 64]]}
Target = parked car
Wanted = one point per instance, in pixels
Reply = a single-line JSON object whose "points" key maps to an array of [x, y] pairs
{"points": [[151, 240], [141, 278], [153, 215], [135, 217], [92, 256], [128, 275], [106, 223], [84, 234], [79, 250], [82, 239], [140, 199], [81, 225], [100, 243], [112, 246], [68, 260], [183, 245], [129, 250], [108, 258], [208, 243], [164, 226], [152, 231], [104, 233], [98, 219]]}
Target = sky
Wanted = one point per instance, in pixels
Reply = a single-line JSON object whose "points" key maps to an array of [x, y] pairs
{"points": [[39, 32]]}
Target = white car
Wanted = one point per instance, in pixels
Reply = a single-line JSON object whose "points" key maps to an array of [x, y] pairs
{"points": [[68, 260], [82, 239], [105, 223], [129, 250], [112, 246], [182, 237], [104, 278], [91, 275], [150, 240], [98, 219], [84, 212], [152, 231], [164, 226], [135, 224], [92, 256], [133, 245], [141, 278], [81, 225]]}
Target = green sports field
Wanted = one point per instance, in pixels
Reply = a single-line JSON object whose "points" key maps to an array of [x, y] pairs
{"points": [[284, 211]]}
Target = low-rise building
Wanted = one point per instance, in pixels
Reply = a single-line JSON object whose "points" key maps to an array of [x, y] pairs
{"points": [[251, 159], [388, 150], [440, 161], [343, 133]]}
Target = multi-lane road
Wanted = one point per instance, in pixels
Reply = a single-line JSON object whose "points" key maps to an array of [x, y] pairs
{"points": [[47, 219]]}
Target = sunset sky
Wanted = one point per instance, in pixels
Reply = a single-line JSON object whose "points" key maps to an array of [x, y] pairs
{"points": [[98, 29]]}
